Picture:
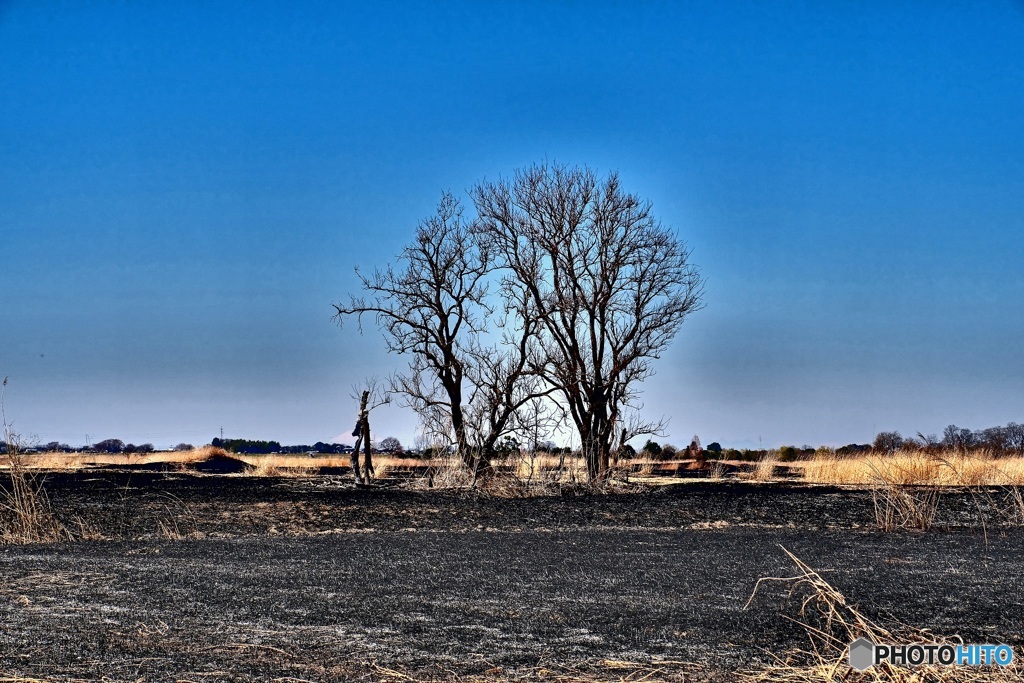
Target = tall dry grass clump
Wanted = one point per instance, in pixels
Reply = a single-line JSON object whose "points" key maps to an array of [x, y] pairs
{"points": [[764, 470], [544, 469], [264, 467], [448, 472], [718, 470], [276, 465], [25, 513], [981, 468], [900, 506]]}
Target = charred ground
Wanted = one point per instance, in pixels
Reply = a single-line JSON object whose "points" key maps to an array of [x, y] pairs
{"points": [[244, 578]]}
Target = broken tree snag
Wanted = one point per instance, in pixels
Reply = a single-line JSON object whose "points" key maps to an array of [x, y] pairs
{"points": [[368, 472], [354, 457], [362, 434]]}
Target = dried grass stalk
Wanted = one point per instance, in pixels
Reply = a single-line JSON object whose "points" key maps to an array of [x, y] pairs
{"points": [[831, 623]]}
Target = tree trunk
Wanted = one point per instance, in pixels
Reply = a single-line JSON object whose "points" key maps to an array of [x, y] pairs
{"points": [[461, 441], [590, 455], [597, 441], [483, 457], [354, 459]]}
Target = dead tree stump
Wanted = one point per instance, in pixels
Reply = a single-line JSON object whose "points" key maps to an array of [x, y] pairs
{"points": [[362, 434]]}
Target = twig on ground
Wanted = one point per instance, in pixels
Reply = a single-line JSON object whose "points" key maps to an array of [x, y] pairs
{"points": [[839, 623]]}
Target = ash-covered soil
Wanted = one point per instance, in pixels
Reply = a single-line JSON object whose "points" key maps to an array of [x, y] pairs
{"points": [[243, 578], [122, 504]]}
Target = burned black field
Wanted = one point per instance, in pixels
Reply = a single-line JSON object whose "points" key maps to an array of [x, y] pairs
{"points": [[209, 578]]}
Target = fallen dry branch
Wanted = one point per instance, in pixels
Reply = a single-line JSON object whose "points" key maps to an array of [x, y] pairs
{"points": [[603, 671], [832, 623]]}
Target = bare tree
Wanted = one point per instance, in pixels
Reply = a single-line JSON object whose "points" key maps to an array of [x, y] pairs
{"points": [[1014, 437], [959, 439], [608, 283], [435, 310], [391, 444]]}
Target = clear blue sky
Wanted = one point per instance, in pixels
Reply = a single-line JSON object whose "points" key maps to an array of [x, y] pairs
{"points": [[186, 187]]}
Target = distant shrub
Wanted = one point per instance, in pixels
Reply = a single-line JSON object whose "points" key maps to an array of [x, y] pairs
{"points": [[434, 452], [748, 455], [887, 442], [247, 446], [652, 449], [912, 444], [788, 453], [109, 446]]}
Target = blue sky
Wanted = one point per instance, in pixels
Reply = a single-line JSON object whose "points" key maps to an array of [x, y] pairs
{"points": [[186, 187]]}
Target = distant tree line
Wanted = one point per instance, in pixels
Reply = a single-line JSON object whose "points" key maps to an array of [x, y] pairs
{"points": [[1006, 440], [256, 447], [118, 446], [248, 446], [714, 451], [105, 446]]}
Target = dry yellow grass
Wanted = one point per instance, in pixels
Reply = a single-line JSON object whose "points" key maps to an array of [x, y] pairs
{"points": [[916, 468], [301, 465], [765, 468], [550, 469], [25, 513], [265, 465], [287, 465], [72, 461], [901, 468], [529, 468], [906, 485]]}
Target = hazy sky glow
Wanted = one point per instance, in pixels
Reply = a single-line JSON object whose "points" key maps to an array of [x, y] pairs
{"points": [[185, 189]]}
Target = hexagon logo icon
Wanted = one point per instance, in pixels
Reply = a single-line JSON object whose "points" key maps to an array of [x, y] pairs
{"points": [[862, 654]]}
